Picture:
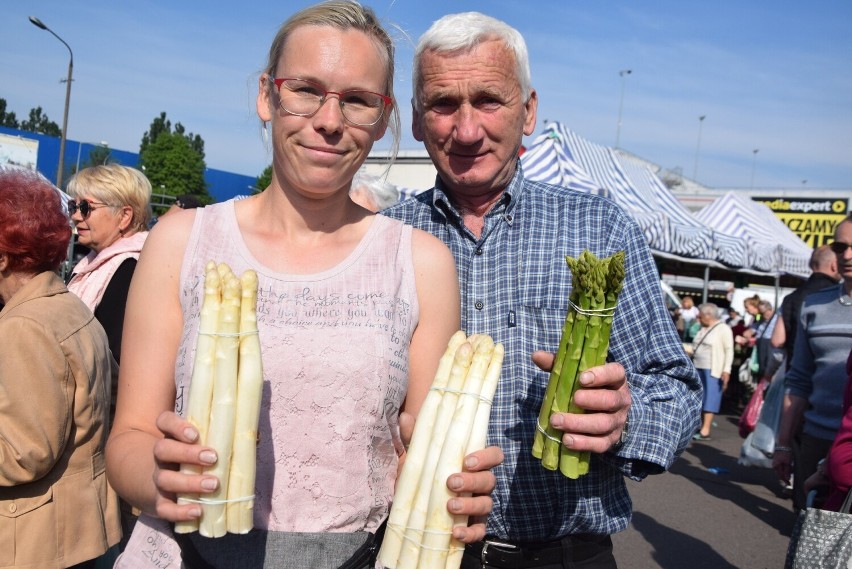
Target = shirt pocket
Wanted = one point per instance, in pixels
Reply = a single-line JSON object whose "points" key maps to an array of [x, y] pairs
{"points": [[28, 530]]}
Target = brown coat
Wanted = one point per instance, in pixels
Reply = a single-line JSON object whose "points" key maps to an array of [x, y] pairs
{"points": [[56, 508]]}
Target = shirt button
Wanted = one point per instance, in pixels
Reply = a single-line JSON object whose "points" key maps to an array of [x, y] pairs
{"points": [[13, 508], [478, 251], [478, 305]]}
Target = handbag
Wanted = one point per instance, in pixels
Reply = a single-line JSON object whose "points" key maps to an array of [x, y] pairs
{"points": [[821, 539], [748, 369], [751, 413], [763, 436]]}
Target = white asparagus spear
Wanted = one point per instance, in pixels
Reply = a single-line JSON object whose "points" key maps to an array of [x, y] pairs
{"points": [[417, 519], [439, 521], [240, 507], [478, 440], [201, 384], [409, 478], [221, 431]]}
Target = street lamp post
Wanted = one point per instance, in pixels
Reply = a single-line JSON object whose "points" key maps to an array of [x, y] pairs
{"points": [[698, 148], [753, 161], [622, 74], [38, 23]]}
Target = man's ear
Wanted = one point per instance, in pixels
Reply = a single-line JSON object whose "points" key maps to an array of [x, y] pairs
{"points": [[531, 110], [416, 129]]}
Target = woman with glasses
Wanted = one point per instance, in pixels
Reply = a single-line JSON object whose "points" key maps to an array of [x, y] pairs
{"points": [[110, 210], [354, 311], [58, 510], [815, 381]]}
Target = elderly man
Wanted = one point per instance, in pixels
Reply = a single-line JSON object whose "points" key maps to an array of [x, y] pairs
{"points": [[472, 105]]}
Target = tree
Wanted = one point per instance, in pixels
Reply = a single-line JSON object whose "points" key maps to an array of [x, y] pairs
{"points": [[98, 156], [173, 160], [7, 119], [40, 123], [264, 179]]}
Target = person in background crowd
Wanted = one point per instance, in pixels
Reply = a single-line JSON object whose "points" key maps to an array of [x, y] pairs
{"points": [[111, 209], [824, 274], [58, 510], [473, 103], [689, 313], [835, 470], [769, 358], [713, 356], [372, 192], [733, 318], [355, 313], [186, 201], [816, 378], [751, 317]]}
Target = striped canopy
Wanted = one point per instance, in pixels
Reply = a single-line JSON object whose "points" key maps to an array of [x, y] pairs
{"points": [[772, 246], [559, 155]]}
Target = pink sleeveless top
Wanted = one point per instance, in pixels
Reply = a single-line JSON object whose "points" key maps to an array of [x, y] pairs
{"points": [[335, 369]]}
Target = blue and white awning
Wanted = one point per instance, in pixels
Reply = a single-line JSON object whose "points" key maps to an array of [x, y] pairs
{"points": [[772, 246], [561, 157]]}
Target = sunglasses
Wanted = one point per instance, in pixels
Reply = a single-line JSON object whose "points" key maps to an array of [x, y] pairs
{"points": [[85, 206], [839, 247]]}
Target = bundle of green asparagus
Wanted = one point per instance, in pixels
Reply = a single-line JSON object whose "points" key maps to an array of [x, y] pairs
{"points": [[452, 423], [224, 400], [584, 344]]}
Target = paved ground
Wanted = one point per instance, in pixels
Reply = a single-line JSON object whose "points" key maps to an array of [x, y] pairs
{"points": [[692, 518]]}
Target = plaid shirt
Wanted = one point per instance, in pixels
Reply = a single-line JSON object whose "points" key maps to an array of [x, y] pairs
{"points": [[515, 286]]}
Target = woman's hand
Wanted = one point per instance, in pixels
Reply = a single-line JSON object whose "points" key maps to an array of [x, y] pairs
{"points": [[180, 446]]}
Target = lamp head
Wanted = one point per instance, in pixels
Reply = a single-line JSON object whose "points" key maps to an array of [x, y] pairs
{"points": [[36, 22]]}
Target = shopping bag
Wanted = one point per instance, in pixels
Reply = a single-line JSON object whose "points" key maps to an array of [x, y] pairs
{"points": [[748, 420], [821, 539], [763, 437], [746, 375], [751, 456], [753, 361]]}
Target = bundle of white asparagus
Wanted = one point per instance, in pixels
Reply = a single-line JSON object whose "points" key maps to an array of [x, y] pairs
{"points": [[224, 400], [452, 423]]}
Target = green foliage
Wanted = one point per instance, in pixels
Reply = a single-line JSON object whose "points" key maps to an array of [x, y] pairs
{"points": [[173, 160], [98, 156], [40, 123], [7, 119], [264, 179]]}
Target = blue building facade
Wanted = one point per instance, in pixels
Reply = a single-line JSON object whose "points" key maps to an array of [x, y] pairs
{"points": [[221, 185]]}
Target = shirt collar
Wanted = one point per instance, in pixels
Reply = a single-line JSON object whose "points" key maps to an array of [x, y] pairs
{"points": [[504, 206]]}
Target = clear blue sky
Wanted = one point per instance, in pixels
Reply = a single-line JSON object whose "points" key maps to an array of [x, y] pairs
{"points": [[769, 75]]}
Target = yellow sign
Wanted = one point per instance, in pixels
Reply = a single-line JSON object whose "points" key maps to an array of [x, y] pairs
{"points": [[813, 220]]}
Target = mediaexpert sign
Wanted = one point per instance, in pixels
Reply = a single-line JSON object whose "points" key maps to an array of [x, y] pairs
{"points": [[813, 220]]}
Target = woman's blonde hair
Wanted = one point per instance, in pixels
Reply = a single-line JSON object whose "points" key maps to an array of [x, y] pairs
{"points": [[117, 186]]}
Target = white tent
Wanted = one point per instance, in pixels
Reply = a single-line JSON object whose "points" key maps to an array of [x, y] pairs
{"points": [[561, 157], [772, 246]]}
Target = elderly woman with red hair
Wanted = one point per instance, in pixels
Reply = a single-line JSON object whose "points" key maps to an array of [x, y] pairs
{"points": [[57, 509]]}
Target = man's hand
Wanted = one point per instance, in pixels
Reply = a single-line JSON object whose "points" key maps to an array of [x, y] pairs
{"points": [[473, 484], [605, 397], [782, 463]]}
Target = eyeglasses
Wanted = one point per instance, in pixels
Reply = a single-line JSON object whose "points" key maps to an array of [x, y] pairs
{"points": [[85, 206], [304, 98], [839, 247]]}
